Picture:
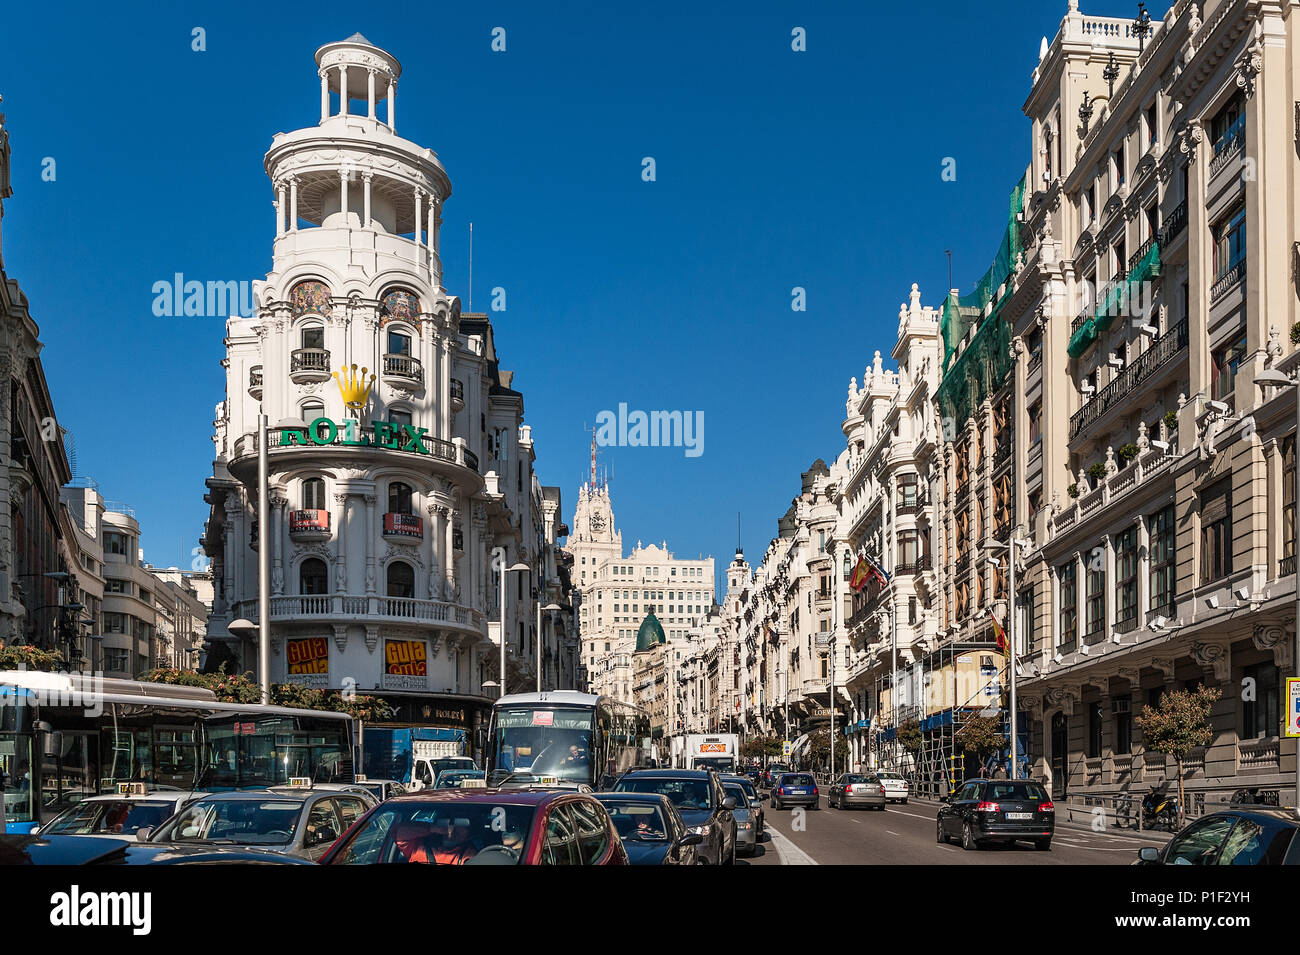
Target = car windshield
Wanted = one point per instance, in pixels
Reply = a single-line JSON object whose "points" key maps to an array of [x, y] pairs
{"points": [[451, 833], [1017, 789], [253, 822], [637, 821], [688, 795], [738, 794], [123, 816], [859, 779], [542, 742], [453, 780], [890, 776], [745, 786], [797, 779]]}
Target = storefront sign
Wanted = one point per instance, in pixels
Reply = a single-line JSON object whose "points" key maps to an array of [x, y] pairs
{"points": [[403, 525], [309, 655], [377, 434], [1293, 706], [406, 657], [309, 520]]}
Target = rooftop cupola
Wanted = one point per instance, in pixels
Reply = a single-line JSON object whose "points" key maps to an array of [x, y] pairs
{"points": [[356, 69]]}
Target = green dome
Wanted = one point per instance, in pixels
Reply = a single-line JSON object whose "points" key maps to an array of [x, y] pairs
{"points": [[651, 632]]}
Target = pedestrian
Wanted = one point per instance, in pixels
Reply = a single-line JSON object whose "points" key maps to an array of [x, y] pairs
{"points": [[1000, 772]]}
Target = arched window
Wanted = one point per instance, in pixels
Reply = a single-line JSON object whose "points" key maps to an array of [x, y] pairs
{"points": [[313, 494], [401, 579], [313, 336], [399, 498], [399, 342], [311, 410], [313, 577]]}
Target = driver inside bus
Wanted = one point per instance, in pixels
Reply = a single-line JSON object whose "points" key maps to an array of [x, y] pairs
{"points": [[576, 758]]}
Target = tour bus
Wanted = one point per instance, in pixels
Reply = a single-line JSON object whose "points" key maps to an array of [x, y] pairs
{"points": [[564, 738], [64, 737]]}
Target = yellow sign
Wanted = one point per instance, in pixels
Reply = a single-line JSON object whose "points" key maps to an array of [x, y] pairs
{"points": [[354, 388], [407, 657], [310, 655]]}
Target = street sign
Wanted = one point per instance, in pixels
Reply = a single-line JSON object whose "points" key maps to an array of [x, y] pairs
{"points": [[786, 747], [1293, 706]]}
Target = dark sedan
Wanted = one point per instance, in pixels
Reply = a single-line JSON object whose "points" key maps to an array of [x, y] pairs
{"points": [[1236, 837], [117, 850], [699, 798], [997, 810], [754, 799], [652, 830], [482, 827]]}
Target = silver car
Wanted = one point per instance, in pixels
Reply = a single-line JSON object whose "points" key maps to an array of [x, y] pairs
{"points": [[754, 800], [746, 821], [297, 821], [120, 815], [857, 789]]}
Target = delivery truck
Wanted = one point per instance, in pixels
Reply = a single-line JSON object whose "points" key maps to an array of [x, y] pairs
{"points": [[710, 751], [413, 755]]}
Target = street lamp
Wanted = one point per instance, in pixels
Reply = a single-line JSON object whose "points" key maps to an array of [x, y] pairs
{"points": [[1272, 378], [1010, 548], [549, 608], [501, 579]]}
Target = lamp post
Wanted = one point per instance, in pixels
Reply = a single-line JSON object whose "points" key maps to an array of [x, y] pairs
{"points": [[502, 570], [264, 559], [549, 608], [1010, 547], [1272, 378]]}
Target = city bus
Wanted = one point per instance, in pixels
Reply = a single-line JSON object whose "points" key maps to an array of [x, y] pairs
{"points": [[564, 738], [64, 737]]}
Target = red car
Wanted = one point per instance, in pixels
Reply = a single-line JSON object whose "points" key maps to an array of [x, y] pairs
{"points": [[482, 827]]}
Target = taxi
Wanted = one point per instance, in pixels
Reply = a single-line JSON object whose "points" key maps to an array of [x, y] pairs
{"points": [[133, 807]]}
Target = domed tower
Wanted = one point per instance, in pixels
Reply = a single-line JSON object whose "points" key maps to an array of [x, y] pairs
{"points": [[650, 632], [378, 398]]}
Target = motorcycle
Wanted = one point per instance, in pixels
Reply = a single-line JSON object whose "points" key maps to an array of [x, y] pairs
{"points": [[1160, 810]]}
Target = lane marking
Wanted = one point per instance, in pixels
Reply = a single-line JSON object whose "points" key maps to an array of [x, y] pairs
{"points": [[788, 852], [891, 832]]}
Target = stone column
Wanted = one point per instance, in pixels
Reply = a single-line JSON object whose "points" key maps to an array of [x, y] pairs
{"points": [[436, 561], [371, 534], [280, 208], [450, 565], [343, 90], [340, 537], [430, 233], [293, 203], [343, 195], [366, 178], [392, 104], [370, 94], [278, 539], [324, 95]]}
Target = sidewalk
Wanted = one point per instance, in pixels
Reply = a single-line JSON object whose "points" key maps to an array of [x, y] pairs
{"points": [[1078, 819]]}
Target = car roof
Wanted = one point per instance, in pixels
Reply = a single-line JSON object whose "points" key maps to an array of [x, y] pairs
{"points": [[657, 798], [522, 796], [61, 849], [166, 795], [248, 795], [1259, 812], [667, 774]]}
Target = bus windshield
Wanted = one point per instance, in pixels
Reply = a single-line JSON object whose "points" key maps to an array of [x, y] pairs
{"points": [[529, 742]]}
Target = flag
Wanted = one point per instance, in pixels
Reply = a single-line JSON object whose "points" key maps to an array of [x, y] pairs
{"points": [[861, 574], [878, 570], [1001, 634]]}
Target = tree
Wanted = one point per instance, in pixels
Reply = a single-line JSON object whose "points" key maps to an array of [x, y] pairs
{"points": [[23, 657], [761, 747], [911, 737], [1178, 725], [819, 749], [981, 736]]}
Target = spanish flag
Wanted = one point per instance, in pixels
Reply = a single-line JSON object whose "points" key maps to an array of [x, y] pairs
{"points": [[1002, 635], [862, 573]]}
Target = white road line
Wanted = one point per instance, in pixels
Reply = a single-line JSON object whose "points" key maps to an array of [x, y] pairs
{"points": [[856, 822], [891, 832], [788, 852]]}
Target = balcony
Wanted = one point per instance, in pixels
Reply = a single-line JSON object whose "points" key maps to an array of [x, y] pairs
{"points": [[1175, 225], [309, 524], [457, 394], [346, 608], [1161, 353], [1231, 277], [1002, 452], [1229, 144], [403, 527], [404, 367], [1148, 465], [1286, 566], [309, 364], [255, 382]]}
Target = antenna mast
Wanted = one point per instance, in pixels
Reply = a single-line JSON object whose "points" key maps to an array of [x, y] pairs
{"points": [[471, 267]]}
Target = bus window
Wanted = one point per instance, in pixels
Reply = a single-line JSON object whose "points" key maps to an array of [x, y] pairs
{"points": [[175, 753], [16, 764]]}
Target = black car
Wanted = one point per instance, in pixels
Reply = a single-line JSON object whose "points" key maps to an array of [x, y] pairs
{"points": [[1235, 837], [652, 830], [117, 850], [997, 810], [698, 797], [795, 789]]}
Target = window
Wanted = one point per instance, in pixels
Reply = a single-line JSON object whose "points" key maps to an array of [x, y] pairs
{"points": [[1094, 730], [1119, 258], [112, 586], [1216, 531], [401, 579], [1259, 715], [1126, 571], [1161, 533], [1067, 582], [907, 550], [1199, 842], [1151, 222], [313, 577], [1096, 584], [1035, 423], [1088, 212], [313, 494], [399, 498], [1122, 708], [1117, 169], [399, 344], [117, 661], [400, 418], [1152, 123], [1228, 125], [313, 336], [1229, 243], [1025, 605], [118, 544], [1224, 364], [1288, 507], [907, 490], [116, 623]]}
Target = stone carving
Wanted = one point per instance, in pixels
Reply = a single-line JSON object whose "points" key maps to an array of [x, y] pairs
{"points": [[1213, 657], [341, 636], [1271, 636], [1248, 66]]}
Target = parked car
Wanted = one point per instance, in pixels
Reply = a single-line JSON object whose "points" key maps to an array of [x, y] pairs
{"points": [[997, 810], [896, 787], [698, 796], [483, 827], [651, 828], [123, 815], [746, 820], [1235, 837], [856, 789], [35, 849], [795, 789], [754, 800], [297, 821]]}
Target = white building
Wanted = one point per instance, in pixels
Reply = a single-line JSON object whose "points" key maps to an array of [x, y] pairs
{"points": [[399, 459]]}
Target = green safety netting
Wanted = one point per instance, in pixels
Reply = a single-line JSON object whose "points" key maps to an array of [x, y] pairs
{"points": [[1115, 302], [979, 369]]}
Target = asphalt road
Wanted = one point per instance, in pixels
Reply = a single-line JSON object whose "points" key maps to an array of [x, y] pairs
{"points": [[904, 835]]}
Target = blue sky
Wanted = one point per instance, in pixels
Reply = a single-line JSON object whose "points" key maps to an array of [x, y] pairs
{"points": [[775, 169]]}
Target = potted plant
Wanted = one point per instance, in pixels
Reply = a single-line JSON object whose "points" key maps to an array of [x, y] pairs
{"points": [[1097, 472], [1171, 420], [1128, 452], [1072, 490], [1295, 334]]}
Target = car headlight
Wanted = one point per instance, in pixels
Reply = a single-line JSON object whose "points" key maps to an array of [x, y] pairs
{"points": [[701, 830]]}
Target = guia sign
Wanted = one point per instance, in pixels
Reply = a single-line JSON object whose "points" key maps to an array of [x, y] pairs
{"points": [[378, 434]]}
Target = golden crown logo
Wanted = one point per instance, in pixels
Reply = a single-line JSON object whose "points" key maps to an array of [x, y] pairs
{"points": [[354, 388]]}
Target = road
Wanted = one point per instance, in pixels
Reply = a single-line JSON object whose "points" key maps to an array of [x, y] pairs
{"points": [[904, 835]]}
